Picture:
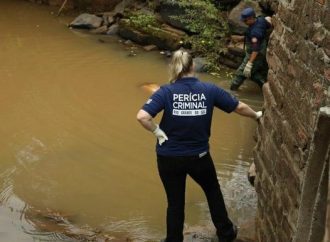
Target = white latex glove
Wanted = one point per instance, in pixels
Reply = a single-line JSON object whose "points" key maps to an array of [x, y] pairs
{"points": [[247, 69], [258, 115], [160, 134]]}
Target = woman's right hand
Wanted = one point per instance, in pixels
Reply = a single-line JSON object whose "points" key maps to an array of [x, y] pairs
{"points": [[160, 134]]}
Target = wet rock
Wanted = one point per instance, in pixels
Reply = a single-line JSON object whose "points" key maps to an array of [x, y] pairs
{"points": [[162, 37], [171, 11], [200, 64], [113, 29], [120, 7], [236, 45], [101, 30], [167, 53], [131, 53], [227, 59], [196, 238], [149, 47], [57, 226], [173, 30], [105, 20], [237, 38], [86, 21], [128, 42], [236, 50], [200, 232], [235, 25], [110, 18], [269, 6]]}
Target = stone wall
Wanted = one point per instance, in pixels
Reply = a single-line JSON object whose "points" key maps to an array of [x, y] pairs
{"points": [[291, 139]]}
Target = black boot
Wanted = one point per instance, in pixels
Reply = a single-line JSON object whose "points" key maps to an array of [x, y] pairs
{"points": [[229, 237]]}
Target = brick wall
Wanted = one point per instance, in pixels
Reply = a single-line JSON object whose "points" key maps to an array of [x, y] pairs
{"points": [[298, 79]]}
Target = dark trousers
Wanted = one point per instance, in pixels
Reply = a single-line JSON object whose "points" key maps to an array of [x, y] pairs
{"points": [[173, 172], [259, 71]]}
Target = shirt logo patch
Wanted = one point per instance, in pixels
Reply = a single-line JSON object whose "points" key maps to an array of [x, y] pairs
{"points": [[191, 104]]}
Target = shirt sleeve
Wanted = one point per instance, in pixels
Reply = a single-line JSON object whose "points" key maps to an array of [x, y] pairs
{"points": [[255, 44], [155, 103], [224, 100], [258, 33]]}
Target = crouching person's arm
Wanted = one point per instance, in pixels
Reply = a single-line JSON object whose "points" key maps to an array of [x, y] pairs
{"points": [[245, 110]]}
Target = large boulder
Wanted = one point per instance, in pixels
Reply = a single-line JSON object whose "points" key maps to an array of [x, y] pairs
{"points": [[269, 6], [170, 11], [235, 53], [86, 21], [164, 37], [230, 60], [113, 29], [235, 25], [201, 64]]}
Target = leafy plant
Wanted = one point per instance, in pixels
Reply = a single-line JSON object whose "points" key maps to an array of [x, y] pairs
{"points": [[205, 20], [143, 21]]}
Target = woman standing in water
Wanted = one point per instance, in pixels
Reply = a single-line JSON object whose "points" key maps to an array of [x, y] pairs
{"points": [[183, 142]]}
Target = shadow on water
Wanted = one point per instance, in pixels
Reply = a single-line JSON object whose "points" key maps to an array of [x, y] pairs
{"points": [[75, 164]]}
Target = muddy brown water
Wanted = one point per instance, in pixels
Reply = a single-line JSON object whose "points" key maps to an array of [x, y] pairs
{"points": [[70, 143]]}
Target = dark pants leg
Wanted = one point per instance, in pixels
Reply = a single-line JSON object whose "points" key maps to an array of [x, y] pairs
{"points": [[239, 76], [173, 172], [260, 70], [203, 172], [173, 175]]}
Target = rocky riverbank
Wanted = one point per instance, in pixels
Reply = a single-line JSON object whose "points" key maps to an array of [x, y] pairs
{"points": [[210, 29], [61, 227]]}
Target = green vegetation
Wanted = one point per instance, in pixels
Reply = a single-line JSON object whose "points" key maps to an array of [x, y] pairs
{"points": [[208, 28], [143, 21], [151, 28], [203, 18]]}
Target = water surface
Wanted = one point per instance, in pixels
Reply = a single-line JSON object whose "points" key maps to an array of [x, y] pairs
{"points": [[71, 148]]}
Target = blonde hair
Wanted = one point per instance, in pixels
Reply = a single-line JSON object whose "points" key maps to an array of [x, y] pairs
{"points": [[181, 64]]}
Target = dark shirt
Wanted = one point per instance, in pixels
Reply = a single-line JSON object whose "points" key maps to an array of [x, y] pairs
{"points": [[188, 107], [257, 33]]}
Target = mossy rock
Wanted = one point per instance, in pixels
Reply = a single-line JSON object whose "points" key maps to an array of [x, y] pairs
{"points": [[235, 24], [182, 14], [171, 11], [160, 36]]}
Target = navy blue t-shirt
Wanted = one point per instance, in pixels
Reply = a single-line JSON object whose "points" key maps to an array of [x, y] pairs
{"points": [[188, 107], [258, 31]]}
